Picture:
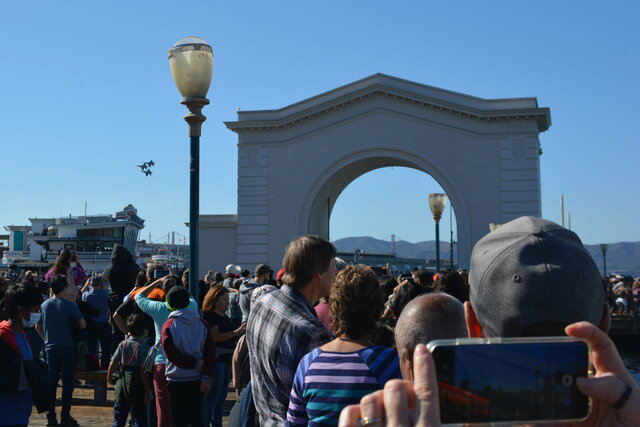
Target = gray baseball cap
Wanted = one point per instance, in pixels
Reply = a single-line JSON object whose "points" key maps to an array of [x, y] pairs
{"points": [[531, 270]]}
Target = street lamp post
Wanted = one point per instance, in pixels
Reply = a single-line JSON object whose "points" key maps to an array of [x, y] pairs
{"points": [[191, 62], [451, 242], [603, 248], [437, 202]]}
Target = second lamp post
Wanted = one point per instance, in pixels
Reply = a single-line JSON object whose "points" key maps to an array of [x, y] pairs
{"points": [[437, 202]]}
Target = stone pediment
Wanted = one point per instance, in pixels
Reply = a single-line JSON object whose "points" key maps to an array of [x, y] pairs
{"points": [[381, 85]]}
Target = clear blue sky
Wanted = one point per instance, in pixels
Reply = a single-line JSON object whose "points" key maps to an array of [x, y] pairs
{"points": [[86, 94]]}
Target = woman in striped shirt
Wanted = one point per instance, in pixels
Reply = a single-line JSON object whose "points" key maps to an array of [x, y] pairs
{"points": [[344, 370]]}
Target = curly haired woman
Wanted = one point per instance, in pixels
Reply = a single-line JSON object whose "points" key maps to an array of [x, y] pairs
{"points": [[344, 370]]}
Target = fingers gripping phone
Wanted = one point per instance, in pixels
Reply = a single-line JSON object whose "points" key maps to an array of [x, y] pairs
{"points": [[510, 380]]}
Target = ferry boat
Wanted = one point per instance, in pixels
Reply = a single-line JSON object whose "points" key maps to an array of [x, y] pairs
{"points": [[167, 258], [91, 236]]}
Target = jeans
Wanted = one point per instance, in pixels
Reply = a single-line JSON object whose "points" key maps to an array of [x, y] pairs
{"points": [[163, 401], [186, 403], [214, 400], [138, 415], [102, 335], [151, 404], [61, 363]]}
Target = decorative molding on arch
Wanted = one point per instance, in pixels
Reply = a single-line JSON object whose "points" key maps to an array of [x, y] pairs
{"points": [[380, 85]]}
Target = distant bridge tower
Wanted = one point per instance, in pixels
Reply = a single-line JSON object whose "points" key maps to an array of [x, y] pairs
{"points": [[393, 244]]}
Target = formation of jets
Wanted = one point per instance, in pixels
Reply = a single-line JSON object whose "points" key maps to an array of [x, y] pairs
{"points": [[146, 167]]}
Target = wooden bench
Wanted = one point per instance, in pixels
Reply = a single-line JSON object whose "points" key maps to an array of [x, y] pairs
{"points": [[99, 379]]}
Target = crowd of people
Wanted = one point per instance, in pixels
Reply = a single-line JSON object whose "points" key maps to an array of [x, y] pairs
{"points": [[318, 343], [623, 294]]}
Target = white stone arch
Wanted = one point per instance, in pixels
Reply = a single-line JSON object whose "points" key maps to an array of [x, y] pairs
{"points": [[483, 152], [313, 211]]}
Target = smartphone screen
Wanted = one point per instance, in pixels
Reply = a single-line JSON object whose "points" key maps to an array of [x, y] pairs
{"points": [[157, 274], [511, 381]]}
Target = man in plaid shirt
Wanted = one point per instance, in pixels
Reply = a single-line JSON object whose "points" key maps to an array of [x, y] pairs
{"points": [[283, 325]]}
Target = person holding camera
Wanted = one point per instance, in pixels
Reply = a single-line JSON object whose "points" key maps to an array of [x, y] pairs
{"points": [[153, 305], [94, 293], [522, 276], [615, 396]]}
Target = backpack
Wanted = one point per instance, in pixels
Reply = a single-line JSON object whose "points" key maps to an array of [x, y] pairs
{"points": [[129, 385]]}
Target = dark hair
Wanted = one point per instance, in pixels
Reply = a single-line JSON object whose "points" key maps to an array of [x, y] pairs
{"points": [[404, 295], [150, 269], [355, 301], [306, 256], [22, 295], [245, 273], [141, 278], [178, 298], [43, 287], [237, 283], [387, 285], [212, 296], [28, 280], [169, 282], [137, 324], [217, 277], [58, 283], [382, 335], [5, 282], [452, 283], [96, 281], [62, 263], [424, 277]]}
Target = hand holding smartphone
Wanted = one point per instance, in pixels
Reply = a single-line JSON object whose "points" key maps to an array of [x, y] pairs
{"points": [[511, 380]]}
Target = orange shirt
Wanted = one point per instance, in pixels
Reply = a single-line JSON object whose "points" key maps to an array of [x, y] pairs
{"points": [[157, 293]]}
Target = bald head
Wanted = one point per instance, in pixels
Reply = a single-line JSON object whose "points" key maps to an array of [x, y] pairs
{"points": [[426, 318]]}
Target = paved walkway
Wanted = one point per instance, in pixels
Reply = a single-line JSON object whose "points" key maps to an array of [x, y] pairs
{"points": [[87, 413]]}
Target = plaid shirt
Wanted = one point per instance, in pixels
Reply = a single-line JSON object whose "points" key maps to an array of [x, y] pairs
{"points": [[282, 328]]}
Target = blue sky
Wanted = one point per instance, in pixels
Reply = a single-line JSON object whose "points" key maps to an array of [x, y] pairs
{"points": [[87, 94]]}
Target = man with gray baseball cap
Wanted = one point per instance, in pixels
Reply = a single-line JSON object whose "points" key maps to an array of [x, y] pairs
{"points": [[261, 273], [532, 277]]}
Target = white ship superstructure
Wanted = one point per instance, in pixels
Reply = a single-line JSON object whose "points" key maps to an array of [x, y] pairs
{"points": [[91, 236]]}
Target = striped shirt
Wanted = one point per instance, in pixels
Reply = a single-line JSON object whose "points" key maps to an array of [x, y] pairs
{"points": [[326, 382]]}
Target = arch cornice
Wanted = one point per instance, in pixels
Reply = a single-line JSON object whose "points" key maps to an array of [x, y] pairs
{"points": [[385, 86]]}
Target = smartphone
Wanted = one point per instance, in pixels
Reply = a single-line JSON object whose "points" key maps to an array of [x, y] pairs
{"points": [[511, 380], [157, 274]]}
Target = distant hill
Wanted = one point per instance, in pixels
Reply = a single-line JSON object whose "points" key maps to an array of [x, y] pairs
{"points": [[421, 250], [623, 258]]}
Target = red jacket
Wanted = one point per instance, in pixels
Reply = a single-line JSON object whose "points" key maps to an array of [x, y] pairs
{"points": [[6, 333]]}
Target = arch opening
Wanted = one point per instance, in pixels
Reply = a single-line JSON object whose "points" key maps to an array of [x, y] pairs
{"points": [[316, 206], [390, 205]]}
